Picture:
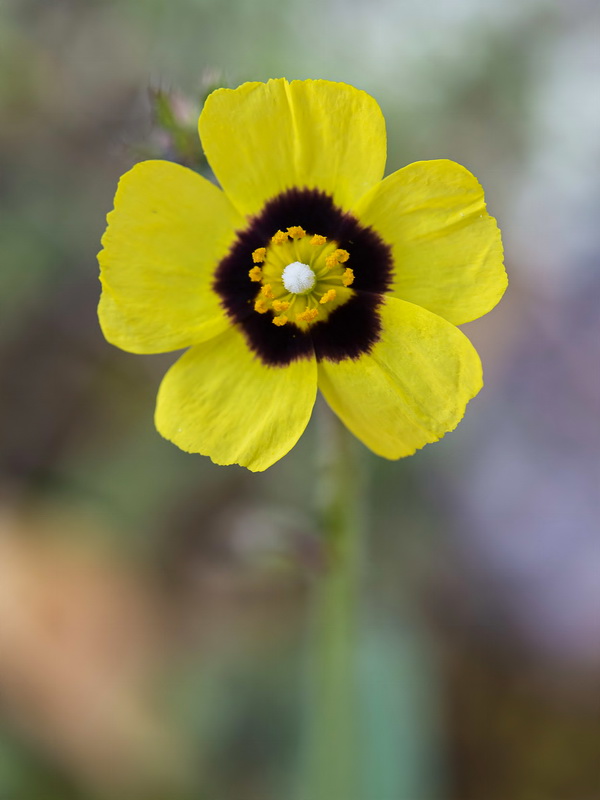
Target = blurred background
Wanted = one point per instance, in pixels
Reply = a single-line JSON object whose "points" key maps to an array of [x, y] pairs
{"points": [[153, 606]]}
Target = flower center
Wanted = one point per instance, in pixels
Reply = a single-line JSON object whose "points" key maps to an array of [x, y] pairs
{"points": [[303, 277], [338, 318], [298, 278]]}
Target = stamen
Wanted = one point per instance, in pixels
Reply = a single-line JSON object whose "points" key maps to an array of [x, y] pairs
{"points": [[296, 232], [279, 238], [260, 305], [298, 278], [307, 316], [267, 291], [328, 296], [280, 305], [342, 256], [317, 239], [258, 256], [337, 257], [255, 274], [348, 277], [279, 321]]}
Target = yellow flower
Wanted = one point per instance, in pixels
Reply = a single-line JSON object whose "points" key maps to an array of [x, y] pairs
{"points": [[408, 258]]}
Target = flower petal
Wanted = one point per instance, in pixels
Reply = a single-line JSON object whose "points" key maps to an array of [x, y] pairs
{"points": [[447, 249], [221, 401], [168, 230], [261, 139], [411, 389]]}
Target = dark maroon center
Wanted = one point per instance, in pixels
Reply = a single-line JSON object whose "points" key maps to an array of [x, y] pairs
{"points": [[352, 329]]}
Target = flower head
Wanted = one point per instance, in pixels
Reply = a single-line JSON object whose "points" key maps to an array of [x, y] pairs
{"points": [[305, 269]]}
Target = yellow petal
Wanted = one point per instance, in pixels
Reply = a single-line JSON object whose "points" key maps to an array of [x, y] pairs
{"points": [[219, 400], [447, 249], [169, 229], [261, 139], [411, 389]]}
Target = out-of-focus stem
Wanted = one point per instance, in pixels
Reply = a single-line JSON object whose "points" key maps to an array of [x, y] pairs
{"points": [[334, 724]]}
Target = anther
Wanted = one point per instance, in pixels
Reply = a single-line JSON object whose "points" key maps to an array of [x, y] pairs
{"points": [[280, 305], [260, 305], [337, 257], [317, 239], [279, 321], [279, 238], [342, 256], [307, 316], [328, 296], [348, 277], [296, 232], [255, 274], [267, 291], [258, 256]]}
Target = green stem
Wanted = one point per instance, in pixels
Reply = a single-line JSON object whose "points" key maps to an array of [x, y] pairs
{"points": [[334, 748]]}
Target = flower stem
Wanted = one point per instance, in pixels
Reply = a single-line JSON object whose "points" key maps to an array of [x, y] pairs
{"points": [[334, 726]]}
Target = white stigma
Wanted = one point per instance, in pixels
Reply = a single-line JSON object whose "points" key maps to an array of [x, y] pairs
{"points": [[298, 277]]}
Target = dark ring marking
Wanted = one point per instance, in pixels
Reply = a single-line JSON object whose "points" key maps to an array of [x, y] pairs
{"points": [[351, 329]]}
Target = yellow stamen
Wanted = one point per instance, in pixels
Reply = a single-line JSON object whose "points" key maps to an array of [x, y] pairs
{"points": [[279, 321], [296, 232], [280, 305], [348, 277], [258, 256], [279, 238], [317, 239], [260, 305], [308, 315], [328, 296], [255, 274], [267, 291], [342, 256], [337, 257]]}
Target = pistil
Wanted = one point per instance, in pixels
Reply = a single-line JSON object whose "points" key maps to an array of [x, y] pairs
{"points": [[298, 278]]}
